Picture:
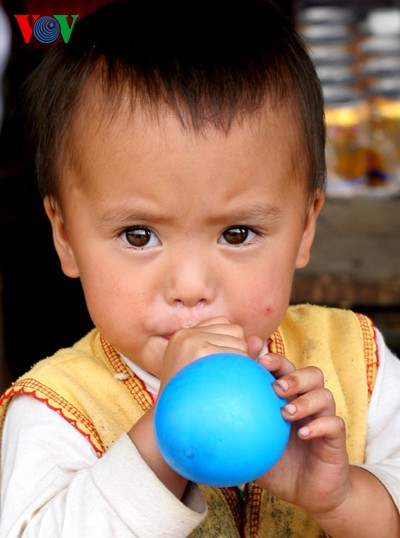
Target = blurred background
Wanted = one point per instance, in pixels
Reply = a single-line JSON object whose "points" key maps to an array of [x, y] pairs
{"points": [[355, 47], [356, 261]]}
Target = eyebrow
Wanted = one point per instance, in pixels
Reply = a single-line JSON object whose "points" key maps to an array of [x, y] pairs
{"points": [[121, 215], [255, 213]]}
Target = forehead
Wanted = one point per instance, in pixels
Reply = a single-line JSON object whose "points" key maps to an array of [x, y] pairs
{"points": [[120, 133]]}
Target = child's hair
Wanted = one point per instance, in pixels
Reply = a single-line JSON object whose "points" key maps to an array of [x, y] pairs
{"points": [[209, 61]]}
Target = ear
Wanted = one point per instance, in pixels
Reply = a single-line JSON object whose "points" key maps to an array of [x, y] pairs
{"points": [[60, 238], [303, 255]]}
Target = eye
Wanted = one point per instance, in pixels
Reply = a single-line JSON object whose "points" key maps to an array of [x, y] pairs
{"points": [[237, 235], [141, 237]]}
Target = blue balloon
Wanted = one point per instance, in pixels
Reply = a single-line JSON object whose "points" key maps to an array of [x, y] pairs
{"points": [[218, 421]]}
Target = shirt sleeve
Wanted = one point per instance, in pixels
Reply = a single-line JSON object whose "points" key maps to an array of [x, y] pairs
{"points": [[53, 484], [382, 456]]}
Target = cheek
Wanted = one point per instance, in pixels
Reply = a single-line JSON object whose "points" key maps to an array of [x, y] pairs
{"points": [[105, 296], [263, 311], [265, 305]]}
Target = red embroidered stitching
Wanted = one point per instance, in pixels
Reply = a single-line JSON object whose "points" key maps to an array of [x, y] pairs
{"points": [[232, 498], [43, 393], [253, 497], [275, 343], [133, 383], [370, 349]]}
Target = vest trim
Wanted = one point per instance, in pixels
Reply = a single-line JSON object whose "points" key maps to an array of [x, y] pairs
{"points": [[60, 405]]}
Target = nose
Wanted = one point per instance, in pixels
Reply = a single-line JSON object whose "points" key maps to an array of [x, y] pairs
{"points": [[190, 281]]}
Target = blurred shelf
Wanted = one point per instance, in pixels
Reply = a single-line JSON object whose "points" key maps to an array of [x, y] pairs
{"points": [[356, 255]]}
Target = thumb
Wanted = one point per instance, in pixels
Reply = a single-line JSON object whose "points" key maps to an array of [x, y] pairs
{"points": [[254, 345]]}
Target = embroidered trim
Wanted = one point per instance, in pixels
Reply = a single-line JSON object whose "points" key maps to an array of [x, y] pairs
{"points": [[275, 343], [132, 382], [57, 403], [233, 499], [253, 496], [370, 349]]}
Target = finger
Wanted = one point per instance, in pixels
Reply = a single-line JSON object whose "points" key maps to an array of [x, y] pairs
{"points": [[232, 330], [209, 333], [221, 323], [299, 382], [193, 344], [277, 364], [254, 345], [225, 343], [316, 403], [331, 429], [214, 321]]}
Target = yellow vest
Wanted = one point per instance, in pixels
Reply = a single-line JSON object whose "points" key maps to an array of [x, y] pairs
{"points": [[92, 388]]}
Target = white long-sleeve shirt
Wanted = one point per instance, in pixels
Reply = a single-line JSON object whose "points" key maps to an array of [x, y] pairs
{"points": [[54, 485]]}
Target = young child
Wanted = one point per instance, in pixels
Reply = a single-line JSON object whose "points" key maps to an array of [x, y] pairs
{"points": [[181, 160]]}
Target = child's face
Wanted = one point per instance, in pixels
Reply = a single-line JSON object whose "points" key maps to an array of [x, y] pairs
{"points": [[167, 228]]}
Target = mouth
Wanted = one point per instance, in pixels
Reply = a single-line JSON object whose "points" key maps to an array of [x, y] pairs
{"points": [[184, 323], [167, 336]]}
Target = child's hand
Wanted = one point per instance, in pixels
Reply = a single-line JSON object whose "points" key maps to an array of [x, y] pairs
{"points": [[216, 335], [313, 472]]}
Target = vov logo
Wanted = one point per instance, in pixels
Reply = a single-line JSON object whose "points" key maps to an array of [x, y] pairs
{"points": [[46, 29]]}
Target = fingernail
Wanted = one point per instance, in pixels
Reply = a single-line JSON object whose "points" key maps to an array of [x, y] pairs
{"points": [[282, 384], [265, 357], [304, 431], [290, 409]]}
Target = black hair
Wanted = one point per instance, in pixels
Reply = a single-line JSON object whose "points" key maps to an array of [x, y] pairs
{"points": [[210, 61]]}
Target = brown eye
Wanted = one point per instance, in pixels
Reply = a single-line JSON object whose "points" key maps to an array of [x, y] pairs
{"points": [[140, 237], [236, 236]]}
